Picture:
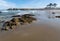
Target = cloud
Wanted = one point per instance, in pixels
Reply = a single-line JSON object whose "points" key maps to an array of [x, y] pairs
{"points": [[30, 4], [5, 4], [26, 4]]}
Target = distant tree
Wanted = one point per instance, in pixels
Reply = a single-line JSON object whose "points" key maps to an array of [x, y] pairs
{"points": [[49, 5], [54, 4]]}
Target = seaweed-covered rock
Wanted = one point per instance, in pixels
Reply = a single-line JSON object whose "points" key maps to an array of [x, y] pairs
{"points": [[18, 20], [28, 18], [7, 25], [27, 15], [4, 29], [16, 16]]}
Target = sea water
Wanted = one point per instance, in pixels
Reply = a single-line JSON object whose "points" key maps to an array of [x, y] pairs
{"points": [[40, 15]]}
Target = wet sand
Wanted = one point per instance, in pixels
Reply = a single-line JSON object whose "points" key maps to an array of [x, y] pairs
{"points": [[32, 32]]}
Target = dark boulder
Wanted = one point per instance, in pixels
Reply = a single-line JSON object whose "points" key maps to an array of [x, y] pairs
{"points": [[16, 16]]}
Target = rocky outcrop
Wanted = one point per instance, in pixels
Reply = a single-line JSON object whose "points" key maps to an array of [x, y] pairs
{"points": [[18, 20]]}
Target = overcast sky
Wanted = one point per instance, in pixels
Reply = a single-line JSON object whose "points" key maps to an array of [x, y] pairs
{"points": [[26, 3]]}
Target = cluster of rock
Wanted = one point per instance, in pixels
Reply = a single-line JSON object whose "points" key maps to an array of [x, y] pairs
{"points": [[18, 20]]}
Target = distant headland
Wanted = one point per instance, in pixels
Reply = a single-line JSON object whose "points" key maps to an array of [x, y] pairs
{"points": [[50, 6]]}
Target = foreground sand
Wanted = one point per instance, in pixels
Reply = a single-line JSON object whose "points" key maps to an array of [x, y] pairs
{"points": [[32, 32]]}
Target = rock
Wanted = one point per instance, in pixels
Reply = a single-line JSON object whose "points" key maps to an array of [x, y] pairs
{"points": [[17, 20], [53, 12], [27, 15], [27, 18], [57, 16], [16, 16], [4, 29], [8, 25]]}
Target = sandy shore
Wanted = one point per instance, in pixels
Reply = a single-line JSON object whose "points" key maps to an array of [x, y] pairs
{"points": [[32, 32]]}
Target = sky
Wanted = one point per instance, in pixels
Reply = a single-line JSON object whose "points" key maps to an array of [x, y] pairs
{"points": [[26, 3]]}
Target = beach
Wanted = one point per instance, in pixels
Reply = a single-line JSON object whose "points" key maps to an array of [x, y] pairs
{"points": [[36, 31], [29, 20], [43, 29]]}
